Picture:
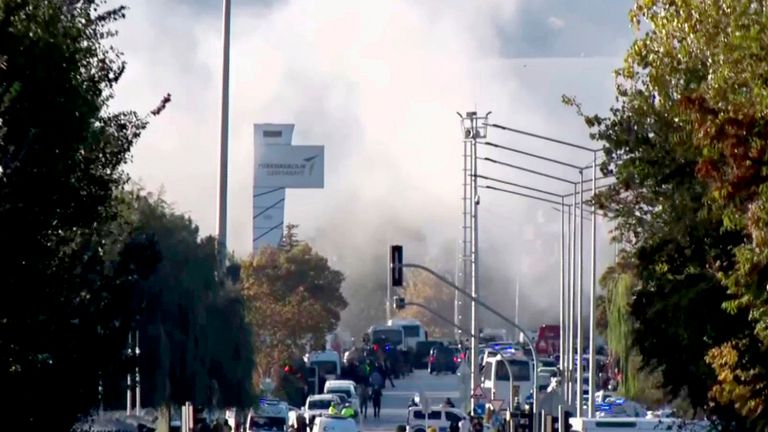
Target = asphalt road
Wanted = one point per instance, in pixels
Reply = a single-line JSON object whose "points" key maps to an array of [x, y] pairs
{"points": [[395, 402]]}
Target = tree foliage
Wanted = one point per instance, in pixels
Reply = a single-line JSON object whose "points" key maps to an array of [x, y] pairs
{"points": [[195, 342], [717, 76], [423, 288], [68, 275], [293, 300], [675, 150]]}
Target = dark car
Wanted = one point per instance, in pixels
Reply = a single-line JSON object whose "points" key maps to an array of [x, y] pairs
{"points": [[423, 350], [443, 359]]}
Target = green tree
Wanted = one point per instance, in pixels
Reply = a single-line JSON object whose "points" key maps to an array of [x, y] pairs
{"points": [[673, 239], [701, 64], [62, 321], [293, 300], [197, 344], [714, 69]]}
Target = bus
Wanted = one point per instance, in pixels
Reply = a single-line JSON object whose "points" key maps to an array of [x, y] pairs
{"points": [[413, 332]]}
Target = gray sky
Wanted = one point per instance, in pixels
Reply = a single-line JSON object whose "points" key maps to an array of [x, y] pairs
{"points": [[378, 83]]}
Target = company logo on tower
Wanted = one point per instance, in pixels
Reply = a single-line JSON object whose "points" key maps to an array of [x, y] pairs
{"points": [[290, 167], [304, 168]]}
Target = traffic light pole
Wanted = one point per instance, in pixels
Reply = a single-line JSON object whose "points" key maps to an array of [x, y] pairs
{"points": [[490, 309]]}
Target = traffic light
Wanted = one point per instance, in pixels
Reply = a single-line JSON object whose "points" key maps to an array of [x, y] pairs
{"points": [[396, 265], [399, 303]]}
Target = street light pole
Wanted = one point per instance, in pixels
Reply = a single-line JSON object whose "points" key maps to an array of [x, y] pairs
{"points": [[224, 143], [579, 307], [562, 282], [592, 293], [571, 279]]}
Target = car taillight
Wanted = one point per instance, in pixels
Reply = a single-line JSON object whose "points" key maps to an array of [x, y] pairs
{"points": [[455, 359], [431, 358]]}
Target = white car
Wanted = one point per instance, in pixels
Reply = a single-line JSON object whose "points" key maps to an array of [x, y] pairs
{"points": [[329, 423], [317, 405], [346, 388]]}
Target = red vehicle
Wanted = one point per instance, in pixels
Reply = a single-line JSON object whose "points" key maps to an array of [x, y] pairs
{"points": [[548, 340]]}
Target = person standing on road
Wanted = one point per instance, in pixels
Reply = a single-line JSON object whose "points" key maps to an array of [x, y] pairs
{"points": [[376, 395], [377, 378], [388, 371]]}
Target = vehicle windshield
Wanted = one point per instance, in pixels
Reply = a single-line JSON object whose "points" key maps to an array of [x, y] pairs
{"points": [[325, 367], [341, 391], [259, 423], [319, 404], [411, 330], [547, 363], [520, 371], [393, 336]]}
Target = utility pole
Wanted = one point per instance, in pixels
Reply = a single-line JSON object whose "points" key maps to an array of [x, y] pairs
{"points": [[224, 141], [474, 128]]}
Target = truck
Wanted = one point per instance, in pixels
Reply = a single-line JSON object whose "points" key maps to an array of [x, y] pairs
{"points": [[548, 340]]}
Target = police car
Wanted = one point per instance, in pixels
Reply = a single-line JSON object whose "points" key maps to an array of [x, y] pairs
{"points": [[438, 417]]}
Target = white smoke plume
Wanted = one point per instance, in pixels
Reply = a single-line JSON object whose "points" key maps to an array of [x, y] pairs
{"points": [[379, 84]]}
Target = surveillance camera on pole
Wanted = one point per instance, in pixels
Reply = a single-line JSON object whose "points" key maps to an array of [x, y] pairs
{"points": [[399, 303], [396, 265]]}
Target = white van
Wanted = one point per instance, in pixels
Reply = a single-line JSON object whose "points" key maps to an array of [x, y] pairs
{"points": [[496, 378], [328, 363], [271, 415], [413, 332], [346, 388]]}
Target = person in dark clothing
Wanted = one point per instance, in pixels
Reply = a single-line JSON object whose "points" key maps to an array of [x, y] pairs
{"points": [[454, 427], [388, 371], [477, 424], [376, 395], [448, 403]]}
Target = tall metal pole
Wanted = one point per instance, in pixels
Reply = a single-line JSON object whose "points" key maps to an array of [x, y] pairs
{"points": [[579, 308], [474, 254], [138, 380], [388, 303], [592, 294], [465, 227], [572, 298], [517, 303], [129, 404], [224, 143], [562, 281]]}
